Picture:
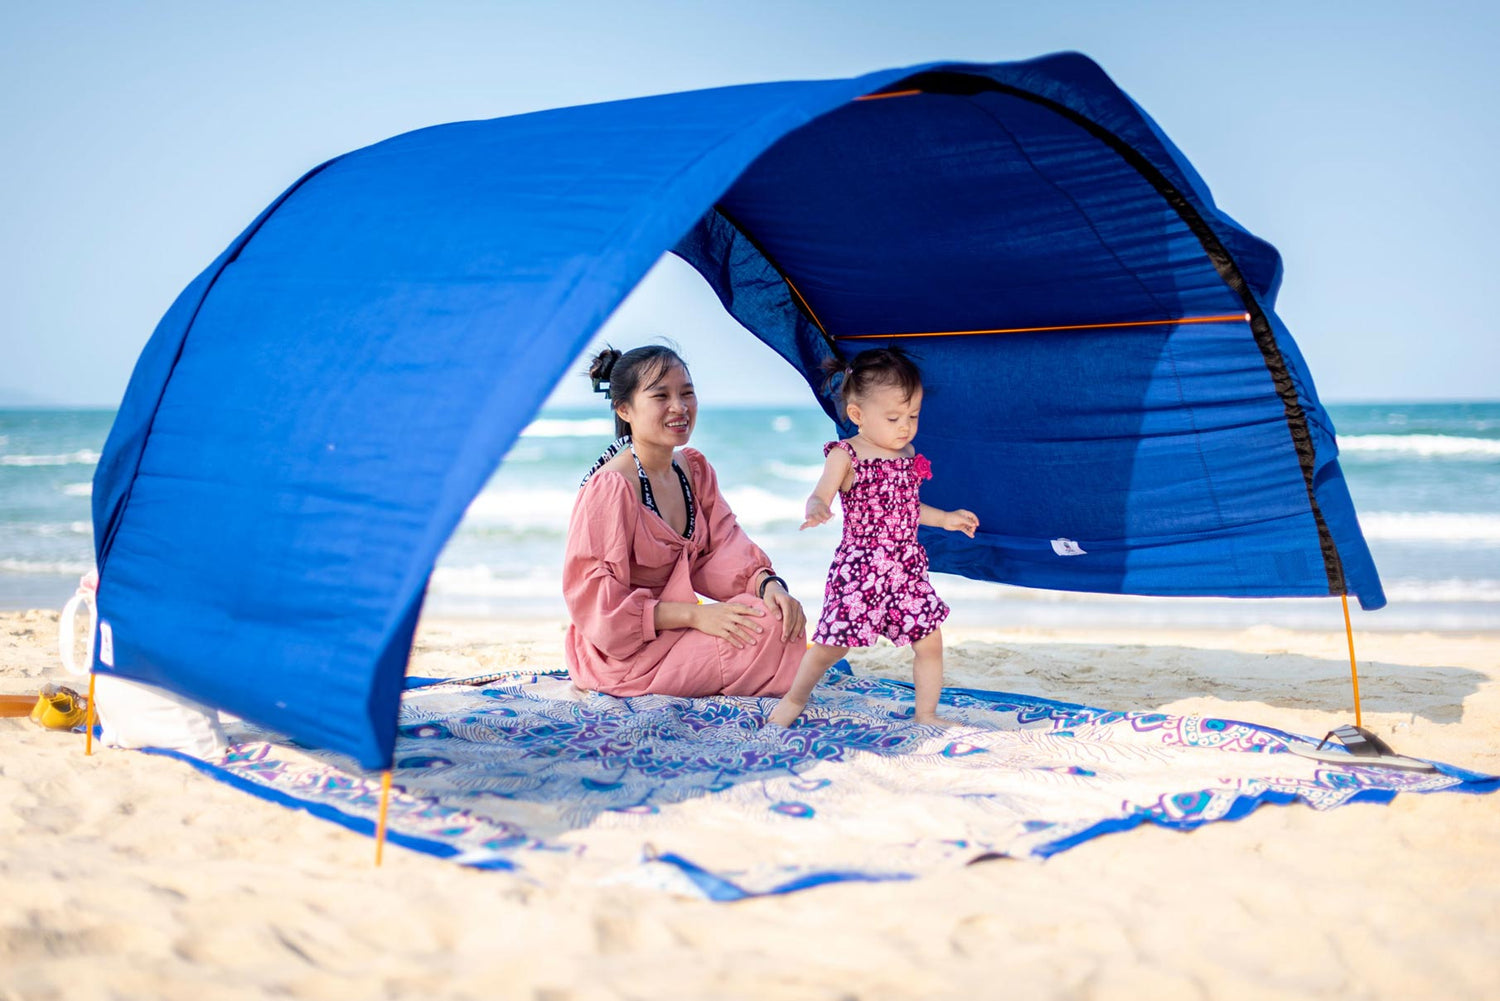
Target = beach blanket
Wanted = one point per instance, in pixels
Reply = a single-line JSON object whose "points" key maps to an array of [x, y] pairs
{"points": [[694, 795]]}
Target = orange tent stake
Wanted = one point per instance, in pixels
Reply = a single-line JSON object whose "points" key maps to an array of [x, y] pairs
{"points": [[88, 721], [385, 802]]}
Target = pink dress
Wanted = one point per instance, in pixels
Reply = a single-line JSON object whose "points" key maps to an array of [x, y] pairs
{"points": [[622, 559], [877, 585]]}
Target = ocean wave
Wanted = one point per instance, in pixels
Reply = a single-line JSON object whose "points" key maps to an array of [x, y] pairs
{"points": [[521, 510], [82, 457], [549, 509], [79, 490], [1430, 526], [556, 427], [757, 508], [54, 529], [75, 567], [1451, 591], [1424, 445], [801, 474], [482, 582]]}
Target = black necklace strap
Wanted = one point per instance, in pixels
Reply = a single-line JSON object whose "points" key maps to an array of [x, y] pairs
{"points": [[649, 499], [609, 453]]}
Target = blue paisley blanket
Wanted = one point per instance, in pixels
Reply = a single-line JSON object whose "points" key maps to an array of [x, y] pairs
{"points": [[692, 794]]}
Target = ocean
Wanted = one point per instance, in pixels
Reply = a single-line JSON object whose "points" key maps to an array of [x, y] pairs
{"points": [[1425, 479]]}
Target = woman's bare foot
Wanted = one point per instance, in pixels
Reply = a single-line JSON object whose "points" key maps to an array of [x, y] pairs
{"points": [[786, 712]]}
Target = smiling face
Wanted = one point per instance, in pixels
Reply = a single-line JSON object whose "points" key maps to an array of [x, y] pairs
{"points": [[886, 416], [663, 409]]}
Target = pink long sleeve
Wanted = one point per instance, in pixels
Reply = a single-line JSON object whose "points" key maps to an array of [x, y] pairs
{"points": [[614, 616], [731, 559]]}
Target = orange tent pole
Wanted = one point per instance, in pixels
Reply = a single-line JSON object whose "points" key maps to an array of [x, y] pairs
{"points": [[1353, 667], [1227, 317], [889, 93], [805, 306]]}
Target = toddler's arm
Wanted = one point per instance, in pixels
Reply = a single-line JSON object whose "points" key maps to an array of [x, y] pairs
{"points": [[954, 521], [835, 469]]}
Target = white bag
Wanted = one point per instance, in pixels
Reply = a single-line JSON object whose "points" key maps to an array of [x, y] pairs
{"points": [[132, 714]]}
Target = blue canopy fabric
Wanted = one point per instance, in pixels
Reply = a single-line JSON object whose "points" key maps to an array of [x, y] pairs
{"points": [[311, 418]]}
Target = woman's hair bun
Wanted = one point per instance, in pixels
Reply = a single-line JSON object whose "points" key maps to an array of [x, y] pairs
{"points": [[603, 364]]}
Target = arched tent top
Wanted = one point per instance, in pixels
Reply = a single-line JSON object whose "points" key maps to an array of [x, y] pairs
{"points": [[313, 415]]}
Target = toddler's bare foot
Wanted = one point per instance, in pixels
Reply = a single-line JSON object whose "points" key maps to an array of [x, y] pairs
{"points": [[933, 719], [786, 712]]}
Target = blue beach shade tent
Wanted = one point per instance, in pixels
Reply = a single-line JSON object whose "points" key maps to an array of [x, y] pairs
{"points": [[314, 413]]}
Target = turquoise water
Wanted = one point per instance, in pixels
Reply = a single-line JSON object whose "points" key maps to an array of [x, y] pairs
{"points": [[1425, 479]]}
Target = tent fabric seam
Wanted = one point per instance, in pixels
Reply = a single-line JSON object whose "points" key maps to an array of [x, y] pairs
{"points": [[1196, 437]]}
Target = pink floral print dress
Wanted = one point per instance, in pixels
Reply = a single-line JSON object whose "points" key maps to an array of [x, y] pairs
{"points": [[877, 585]]}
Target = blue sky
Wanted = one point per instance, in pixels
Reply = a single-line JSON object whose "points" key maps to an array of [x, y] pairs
{"points": [[1360, 139]]}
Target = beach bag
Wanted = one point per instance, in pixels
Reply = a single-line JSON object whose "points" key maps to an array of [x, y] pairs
{"points": [[133, 714]]}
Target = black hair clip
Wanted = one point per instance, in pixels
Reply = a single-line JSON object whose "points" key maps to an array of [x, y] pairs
{"points": [[601, 386]]}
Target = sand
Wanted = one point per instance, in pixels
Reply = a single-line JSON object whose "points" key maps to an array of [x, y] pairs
{"points": [[128, 876]]}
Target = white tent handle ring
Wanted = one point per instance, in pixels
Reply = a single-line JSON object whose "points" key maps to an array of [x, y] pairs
{"points": [[84, 597]]}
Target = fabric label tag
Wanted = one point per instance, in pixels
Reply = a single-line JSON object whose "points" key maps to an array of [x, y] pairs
{"points": [[1067, 547], [106, 644]]}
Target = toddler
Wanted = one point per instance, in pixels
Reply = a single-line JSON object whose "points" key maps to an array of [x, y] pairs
{"points": [[877, 585]]}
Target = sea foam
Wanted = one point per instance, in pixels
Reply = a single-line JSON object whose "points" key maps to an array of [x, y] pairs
{"points": [[522, 510], [482, 581], [1431, 526], [69, 567], [554, 427], [82, 457], [1430, 446]]}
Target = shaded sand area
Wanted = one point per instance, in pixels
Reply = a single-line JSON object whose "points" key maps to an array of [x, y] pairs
{"points": [[128, 876]]}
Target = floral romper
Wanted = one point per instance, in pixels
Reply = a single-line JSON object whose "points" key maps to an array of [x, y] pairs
{"points": [[877, 585]]}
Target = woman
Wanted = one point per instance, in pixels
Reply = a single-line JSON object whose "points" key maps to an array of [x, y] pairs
{"points": [[650, 532]]}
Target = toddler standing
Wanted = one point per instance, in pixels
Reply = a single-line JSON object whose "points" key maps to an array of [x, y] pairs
{"points": [[877, 585]]}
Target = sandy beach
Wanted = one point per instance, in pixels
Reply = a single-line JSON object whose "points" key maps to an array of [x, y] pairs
{"points": [[128, 876]]}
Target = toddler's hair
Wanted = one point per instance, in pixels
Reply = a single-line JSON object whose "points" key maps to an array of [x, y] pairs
{"points": [[875, 367], [618, 376]]}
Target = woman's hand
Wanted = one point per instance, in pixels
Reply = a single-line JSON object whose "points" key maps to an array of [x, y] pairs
{"points": [[728, 620], [961, 521], [786, 608]]}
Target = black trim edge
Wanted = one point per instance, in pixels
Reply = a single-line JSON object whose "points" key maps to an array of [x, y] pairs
{"points": [[797, 301]]}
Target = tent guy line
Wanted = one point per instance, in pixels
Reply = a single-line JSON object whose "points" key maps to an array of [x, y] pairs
{"points": [[1225, 318]]}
